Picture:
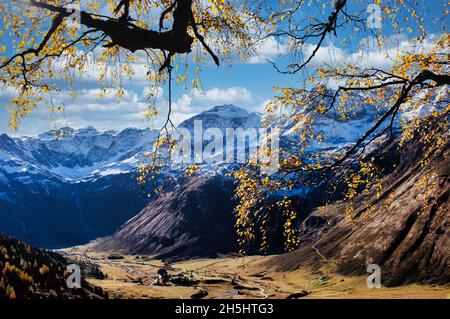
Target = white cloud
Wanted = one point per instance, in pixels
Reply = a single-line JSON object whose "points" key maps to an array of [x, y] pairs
{"points": [[105, 113], [369, 53], [93, 69], [261, 108], [104, 95], [198, 100], [7, 92], [267, 49], [87, 109]]}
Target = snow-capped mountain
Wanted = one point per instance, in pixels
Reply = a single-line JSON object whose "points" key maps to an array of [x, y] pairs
{"points": [[74, 154], [70, 186], [337, 133], [213, 126], [223, 117], [329, 130]]}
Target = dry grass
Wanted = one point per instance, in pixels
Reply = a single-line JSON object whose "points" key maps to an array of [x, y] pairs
{"points": [[234, 277]]}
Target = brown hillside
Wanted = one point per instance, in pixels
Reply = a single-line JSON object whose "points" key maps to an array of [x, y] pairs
{"points": [[405, 231]]}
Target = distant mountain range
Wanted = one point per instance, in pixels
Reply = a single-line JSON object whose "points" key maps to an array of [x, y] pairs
{"points": [[75, 155]]}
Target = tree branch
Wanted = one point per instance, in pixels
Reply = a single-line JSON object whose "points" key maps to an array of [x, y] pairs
{"points": [[423, 76], [130, 36], [325, 29]]}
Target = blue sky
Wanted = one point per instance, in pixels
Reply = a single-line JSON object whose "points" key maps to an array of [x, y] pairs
{"points": [[247, 84]]}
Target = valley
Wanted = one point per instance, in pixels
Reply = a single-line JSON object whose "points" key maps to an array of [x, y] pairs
{"points": [[233, 277]]}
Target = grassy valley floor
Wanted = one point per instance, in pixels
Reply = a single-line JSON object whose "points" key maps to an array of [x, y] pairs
{"points": [[232, 278]]}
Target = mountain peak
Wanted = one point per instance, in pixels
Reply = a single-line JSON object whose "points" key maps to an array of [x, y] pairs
{"points": [[228, 110], [224, 116], [130, 130], [87, 130]]}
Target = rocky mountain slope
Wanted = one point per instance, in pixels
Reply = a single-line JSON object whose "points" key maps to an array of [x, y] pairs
{"points": [[195, 219], [50, 200], [161, 228], [405, 230]]}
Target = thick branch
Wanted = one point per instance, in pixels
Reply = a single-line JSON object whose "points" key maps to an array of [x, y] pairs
{"points": [[163, 15], [127, 35], [126, 9], [132, 37]]}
